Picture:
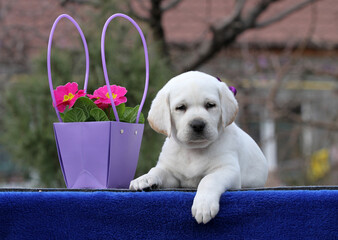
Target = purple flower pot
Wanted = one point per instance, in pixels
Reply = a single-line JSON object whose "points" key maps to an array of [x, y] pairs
{"points": [[98, 154]]}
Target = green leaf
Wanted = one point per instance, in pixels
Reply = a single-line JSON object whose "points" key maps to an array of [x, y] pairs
{"points": [[128, 112], [62, 115], [121, 108], [111, 115], [134, 115], [98, 114], [90, 119], [141, 119], [120, 111], [75, 115], [86, 105], [130, 115]]}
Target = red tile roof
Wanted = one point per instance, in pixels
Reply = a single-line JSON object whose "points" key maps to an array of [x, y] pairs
{"points": [[26, 24], [189, 21]]}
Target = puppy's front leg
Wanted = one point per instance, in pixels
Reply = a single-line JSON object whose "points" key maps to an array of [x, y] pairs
{"points": [[155, 178], [210, 189]]}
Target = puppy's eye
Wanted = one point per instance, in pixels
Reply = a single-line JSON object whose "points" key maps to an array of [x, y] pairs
{"points": [[210, 105], [181, 108]]}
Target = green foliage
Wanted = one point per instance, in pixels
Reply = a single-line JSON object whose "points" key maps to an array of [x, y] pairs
{"points": [[28, 123], [86, 105], [120, 111], [98, 114], [27, 104], [126, 114], [75, 115], [85, 110]]}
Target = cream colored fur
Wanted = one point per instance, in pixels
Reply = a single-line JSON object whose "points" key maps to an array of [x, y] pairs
{"points": [[220, 157]]}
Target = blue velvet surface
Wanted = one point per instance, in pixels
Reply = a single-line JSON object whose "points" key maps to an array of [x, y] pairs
{"points": [[282, 214]]}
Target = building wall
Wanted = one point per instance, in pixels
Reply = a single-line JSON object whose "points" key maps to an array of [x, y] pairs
{"points": [[307, 91]]}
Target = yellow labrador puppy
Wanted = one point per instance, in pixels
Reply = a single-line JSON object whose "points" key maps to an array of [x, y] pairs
{"points": [[204, 148]]}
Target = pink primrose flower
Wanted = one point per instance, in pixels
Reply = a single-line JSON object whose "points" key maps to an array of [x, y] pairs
{"points": [[102, 98], [67, 95]]}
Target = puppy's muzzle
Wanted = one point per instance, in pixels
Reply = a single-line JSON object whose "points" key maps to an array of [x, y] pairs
{"points": [[197, 125]]}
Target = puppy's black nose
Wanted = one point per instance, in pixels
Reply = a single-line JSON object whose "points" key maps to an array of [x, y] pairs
{"points": [[197, 125]]}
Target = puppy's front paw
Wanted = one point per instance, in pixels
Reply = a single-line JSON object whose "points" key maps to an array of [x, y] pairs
{"points": [[145, 182], [204, 208]]}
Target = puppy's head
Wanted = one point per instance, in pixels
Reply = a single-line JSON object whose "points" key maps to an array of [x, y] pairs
{"points": [[193, 108]]}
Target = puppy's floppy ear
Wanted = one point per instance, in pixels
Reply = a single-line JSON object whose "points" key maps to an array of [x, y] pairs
{"points": [[229, 105], [159, 114]]}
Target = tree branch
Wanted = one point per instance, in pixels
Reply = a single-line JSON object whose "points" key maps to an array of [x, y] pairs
{"points": [[282, 71], [284, 14], [143, 6], [255, 12], [94, 3], [227, 32], [156, 24], [136, 15], [170, 5], [333, 126], [233, 16]]}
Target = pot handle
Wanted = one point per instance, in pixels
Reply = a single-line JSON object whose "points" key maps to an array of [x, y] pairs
{"points": [[49, 56], [103, 57]]}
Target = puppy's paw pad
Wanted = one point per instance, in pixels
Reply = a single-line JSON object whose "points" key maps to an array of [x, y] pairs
{"points": [[203, 210], [134, 185], [145, 182]]}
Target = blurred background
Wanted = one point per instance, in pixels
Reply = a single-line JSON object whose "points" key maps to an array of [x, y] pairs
{"points": [[281, 55]]}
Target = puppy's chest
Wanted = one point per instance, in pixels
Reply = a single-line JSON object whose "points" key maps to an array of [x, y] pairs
{"points": [[190, 169]]}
